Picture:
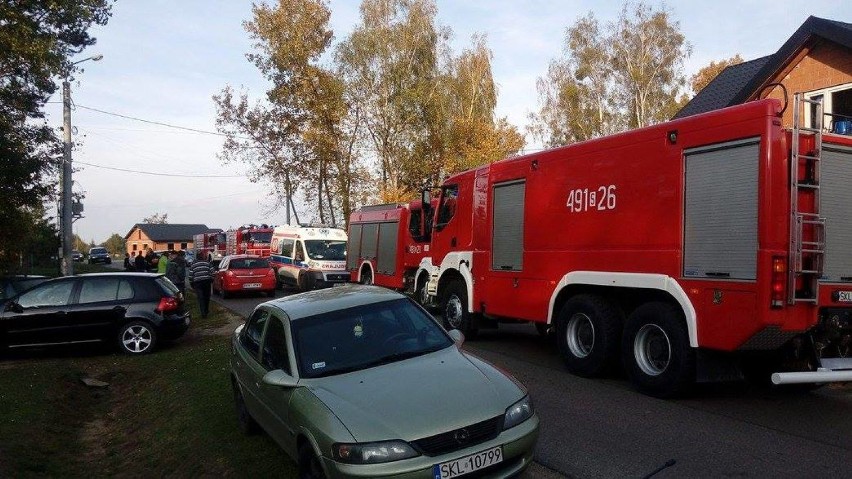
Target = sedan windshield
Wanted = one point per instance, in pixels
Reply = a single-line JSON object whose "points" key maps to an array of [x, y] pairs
{"points": [[363, 337], [326, 250]]}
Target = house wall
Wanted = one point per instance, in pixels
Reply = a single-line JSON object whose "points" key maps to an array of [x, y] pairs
{"points": [[827, 64], [138, 242]]}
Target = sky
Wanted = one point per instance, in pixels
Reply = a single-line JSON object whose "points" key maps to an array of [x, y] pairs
{"points": [[164, 60]]}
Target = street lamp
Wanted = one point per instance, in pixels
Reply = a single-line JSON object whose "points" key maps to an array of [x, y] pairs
{"points": [[66, 219]]}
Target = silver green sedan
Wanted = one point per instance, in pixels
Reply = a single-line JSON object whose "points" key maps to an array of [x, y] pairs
{"points": [[360, 381]]}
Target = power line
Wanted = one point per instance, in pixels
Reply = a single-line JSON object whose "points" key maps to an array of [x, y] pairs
{"points": [[152, 122], [176, 175]]}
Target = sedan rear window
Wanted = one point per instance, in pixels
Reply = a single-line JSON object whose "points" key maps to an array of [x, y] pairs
{"points": [[365, 336], [248, 263]]}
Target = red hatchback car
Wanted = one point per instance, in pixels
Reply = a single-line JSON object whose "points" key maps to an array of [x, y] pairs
{"points": [[244, 273]]}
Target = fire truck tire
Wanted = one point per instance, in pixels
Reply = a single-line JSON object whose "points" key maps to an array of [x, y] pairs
{"points": [[306, 282], [366, 277], [588, 332], [454, 309], [420, 291], [655, 350], [223, 293]]}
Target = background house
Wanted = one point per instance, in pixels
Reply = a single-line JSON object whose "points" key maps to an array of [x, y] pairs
{"points": [[816, 60], [163, 236]]}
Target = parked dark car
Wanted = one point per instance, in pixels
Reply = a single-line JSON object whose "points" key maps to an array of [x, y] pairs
{"points": [[12, 285], [132, 310], [77, 256], [99, 255]]}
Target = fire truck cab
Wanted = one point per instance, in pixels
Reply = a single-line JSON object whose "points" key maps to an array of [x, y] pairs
{"points": [[249, 239], [309, 257], [213, 243], [662, 248]]}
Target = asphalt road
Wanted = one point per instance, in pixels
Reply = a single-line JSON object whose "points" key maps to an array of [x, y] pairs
{"points": [[602, 429]]}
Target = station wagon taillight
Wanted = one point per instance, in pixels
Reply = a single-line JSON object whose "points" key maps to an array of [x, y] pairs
{"points": [[779, 280], [167, 304]]}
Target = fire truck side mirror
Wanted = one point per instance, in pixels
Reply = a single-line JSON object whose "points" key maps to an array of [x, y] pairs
{"points": [[425, 197]]}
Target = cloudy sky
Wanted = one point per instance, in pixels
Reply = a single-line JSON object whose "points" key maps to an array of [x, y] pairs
{"points": [[164, 59]]}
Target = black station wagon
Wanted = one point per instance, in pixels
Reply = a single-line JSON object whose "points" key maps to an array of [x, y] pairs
{"points": [[132, 310]]}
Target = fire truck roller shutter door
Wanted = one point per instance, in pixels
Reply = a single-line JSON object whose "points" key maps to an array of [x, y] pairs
{"points": [[835, 198], [589, 333], [388, 235], [354, 247]]}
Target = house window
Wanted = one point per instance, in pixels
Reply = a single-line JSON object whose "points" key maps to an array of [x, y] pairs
{"points": [[183, 246], [170, 246], [836, 106], [135, 246], [145, 246]]}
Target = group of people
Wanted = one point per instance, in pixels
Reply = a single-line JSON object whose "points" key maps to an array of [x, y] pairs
{"points": [[174, 266]]}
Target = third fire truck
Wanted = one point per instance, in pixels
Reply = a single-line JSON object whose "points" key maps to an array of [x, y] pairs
{"points": [[715, 243], [211, 243], [387, 243], [249, 239]]}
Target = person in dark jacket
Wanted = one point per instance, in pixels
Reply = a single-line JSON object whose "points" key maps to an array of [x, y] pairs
{"points": [[140, 264], [176, 270], [128, 266], [201, 278]]}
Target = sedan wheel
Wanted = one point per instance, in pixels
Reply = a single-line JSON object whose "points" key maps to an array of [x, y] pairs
{"points": [[309, 464], [137, 337], [246, 423]]}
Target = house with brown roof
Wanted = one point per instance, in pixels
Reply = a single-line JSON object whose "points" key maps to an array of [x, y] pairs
{"points": [[161, 237], [815, 61]]}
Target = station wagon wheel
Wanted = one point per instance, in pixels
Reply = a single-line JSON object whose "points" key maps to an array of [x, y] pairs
{"points": [[137, 337]]}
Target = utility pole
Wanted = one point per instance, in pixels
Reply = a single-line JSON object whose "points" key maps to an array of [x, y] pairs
{"points": [[66, 220]]}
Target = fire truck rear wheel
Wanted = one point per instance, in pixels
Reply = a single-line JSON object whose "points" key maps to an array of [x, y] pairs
{"points": [[655, 350], [366, 277], [588, 331], [455, 313]]}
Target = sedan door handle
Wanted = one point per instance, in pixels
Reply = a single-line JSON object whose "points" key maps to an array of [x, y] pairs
{"points": [[119, 309]]}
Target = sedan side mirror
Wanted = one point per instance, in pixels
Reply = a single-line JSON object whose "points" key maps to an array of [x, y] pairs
{"points": [[458, 336], [279, 378], [13, 307]]}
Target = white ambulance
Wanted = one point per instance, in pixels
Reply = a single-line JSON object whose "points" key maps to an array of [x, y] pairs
{"points": [[309, 257]]}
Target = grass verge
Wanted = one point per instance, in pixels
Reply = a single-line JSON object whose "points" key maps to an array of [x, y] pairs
{"points": [[168, 413]]}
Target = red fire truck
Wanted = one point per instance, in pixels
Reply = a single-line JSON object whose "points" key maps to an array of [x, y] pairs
{"points": [[212, 243], [249, 239], [387, 243], [663, 247]]}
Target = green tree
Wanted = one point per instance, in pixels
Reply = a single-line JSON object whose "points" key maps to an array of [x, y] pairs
{"points": [[628, 75], [390, 62], [115, 244], [80, 244], [300, 136], [37, 40]]}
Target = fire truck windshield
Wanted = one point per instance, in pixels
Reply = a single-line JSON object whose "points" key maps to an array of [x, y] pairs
{"points": [[259, 237], [326, 250]]}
